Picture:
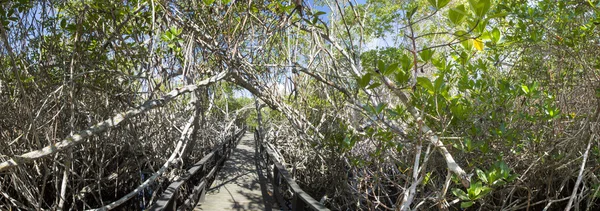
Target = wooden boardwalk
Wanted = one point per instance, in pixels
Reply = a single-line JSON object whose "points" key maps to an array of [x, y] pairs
{"points": [[241, 184]]}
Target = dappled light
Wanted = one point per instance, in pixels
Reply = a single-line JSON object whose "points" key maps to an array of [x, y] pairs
{"points": [[299, 104]]}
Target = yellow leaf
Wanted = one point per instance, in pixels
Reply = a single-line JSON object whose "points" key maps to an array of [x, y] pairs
{"points": [[478, 44]]}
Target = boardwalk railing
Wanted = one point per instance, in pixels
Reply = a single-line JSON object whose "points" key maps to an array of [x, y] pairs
{"points": [[198, 178], [301, 199]]}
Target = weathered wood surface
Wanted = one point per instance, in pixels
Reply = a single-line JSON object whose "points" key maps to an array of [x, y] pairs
{"points": [[203, 172], [240, 185], [301, 199]]}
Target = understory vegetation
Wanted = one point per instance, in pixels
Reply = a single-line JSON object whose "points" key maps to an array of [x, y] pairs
{"points": [[371, 104]]}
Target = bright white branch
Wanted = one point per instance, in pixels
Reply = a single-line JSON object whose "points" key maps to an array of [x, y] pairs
{"points": [[433, 139], [580, 177], [183, 138], [79, 137]]}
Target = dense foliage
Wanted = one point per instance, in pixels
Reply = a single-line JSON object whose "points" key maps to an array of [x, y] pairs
{"points": [[376, 104]]}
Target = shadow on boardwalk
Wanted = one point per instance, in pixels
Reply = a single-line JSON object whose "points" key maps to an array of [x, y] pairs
{"points": [[241, 184]]}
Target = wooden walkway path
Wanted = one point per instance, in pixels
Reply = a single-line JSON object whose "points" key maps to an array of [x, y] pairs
{"points": [[241, 184]]}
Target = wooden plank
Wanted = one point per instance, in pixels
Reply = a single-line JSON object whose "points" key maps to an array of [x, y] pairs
{"points": [[193, 198], [199, 191], [165, 202], [207, 178], [270, 177], [297, 203], [169, 196], [309, 201]]}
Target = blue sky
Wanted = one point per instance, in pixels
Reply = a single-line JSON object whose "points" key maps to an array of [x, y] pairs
{"points": [[314, 5]]}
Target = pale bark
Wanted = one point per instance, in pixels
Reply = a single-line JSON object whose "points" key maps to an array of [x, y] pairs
{"points": [[79, 137], [178, 152], [430, 135], [580, 176]]}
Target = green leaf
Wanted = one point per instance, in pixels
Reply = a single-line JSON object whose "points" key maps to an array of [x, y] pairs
{"points": [[438, 4], [480, 7], [426, 54], [369, 108], [364, 80], [175, 31], [458, 111], [439, 83], [466, 204], [374, 85], [499, 182], [493, 176], [495, 35], [427, 178], [319, 13], [504, 169], [426, 83], [390, 69], [442, 3], [474, 190], [224, 2], [348, 142], [392, 113], [596, 191], [478, 25], [399, 148], [400, 110], [347, 139], [208, 2], [484, 191], [467, 44], [525, 89], [485, 36], [512, 177], [460, 194], [165, 37], [28, 79], [433, 3], [461, 34], [457, 14], [71, 28], [402, 77], [63, 23], [406, 62], [481, 175], [498, 15], [469, 144], [381, 66], [289, 8], [439, 63], [379, 108], [412, 12]]}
